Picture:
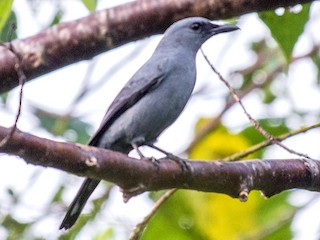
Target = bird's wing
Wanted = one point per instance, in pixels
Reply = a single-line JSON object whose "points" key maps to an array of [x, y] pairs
{"points": [[131, 93]]}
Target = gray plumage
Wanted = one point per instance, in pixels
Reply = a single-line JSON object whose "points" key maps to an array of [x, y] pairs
{"points": [[152, 99]]}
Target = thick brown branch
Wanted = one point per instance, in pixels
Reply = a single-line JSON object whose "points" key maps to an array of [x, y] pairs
{"points": [[236, 179], [85, 38]]}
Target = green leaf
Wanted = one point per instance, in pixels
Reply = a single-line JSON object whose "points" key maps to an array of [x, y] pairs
{"points": [[4, 97], [274, 207], [8, 34], [104, 235], [15, 229], [90, 4], [198, 215], [70, 127], [316, 60], [213, 145], [58, 195], [282, 231], [5, 9], [57, 17], [287, 28], [274, 126], [268, 96], [174, 220]]}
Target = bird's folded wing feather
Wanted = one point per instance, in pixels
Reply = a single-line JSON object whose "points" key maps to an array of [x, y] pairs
{"points": [[132, 92]]}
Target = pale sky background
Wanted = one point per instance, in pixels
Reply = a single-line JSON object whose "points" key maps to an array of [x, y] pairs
{"points": [[56, 91]]}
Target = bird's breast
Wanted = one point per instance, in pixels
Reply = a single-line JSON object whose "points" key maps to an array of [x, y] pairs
{"points": [[162, 106]]}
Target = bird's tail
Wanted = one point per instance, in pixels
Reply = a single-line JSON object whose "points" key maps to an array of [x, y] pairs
{"points": [[78, 203]]}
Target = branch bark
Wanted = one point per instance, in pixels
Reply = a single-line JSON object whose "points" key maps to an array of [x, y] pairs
{"points": [[70, 42], [135, 176]]}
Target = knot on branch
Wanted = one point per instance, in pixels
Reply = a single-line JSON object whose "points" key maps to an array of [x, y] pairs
{"points": [[91, 161], [243, 195]]}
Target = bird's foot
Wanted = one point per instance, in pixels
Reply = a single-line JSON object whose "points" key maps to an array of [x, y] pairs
{"points": [[135, 147], [152, 159], [155, 161], [185, 166]]}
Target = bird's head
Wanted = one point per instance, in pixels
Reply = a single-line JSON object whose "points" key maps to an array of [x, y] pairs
{"points": [[193, 32]]}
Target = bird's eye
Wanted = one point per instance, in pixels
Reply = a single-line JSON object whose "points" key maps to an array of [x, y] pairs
{"points": [[195, 26]]}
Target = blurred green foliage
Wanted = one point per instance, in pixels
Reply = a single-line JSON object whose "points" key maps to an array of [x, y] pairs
{"points": [[189, 214], [5, 10], [198, 215], [90, 4], [8, 32], [286, 27], [70, 127]]}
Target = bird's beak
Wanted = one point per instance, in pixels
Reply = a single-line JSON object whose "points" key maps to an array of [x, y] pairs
{"points": [[224, 28]]}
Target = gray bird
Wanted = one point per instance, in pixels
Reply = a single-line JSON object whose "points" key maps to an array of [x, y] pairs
{"points": [[152, 99]]}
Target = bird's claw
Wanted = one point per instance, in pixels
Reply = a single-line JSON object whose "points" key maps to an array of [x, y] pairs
{"points": [[155, 161], [185, 166]]}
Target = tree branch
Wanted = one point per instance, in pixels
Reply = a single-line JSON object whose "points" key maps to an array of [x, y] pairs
{"points": [[261, 145], [70, 42], [135, 176]]}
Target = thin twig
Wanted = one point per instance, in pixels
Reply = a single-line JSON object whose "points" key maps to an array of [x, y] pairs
{"points": [[242, 154], [22, 80], [257, 126], [211, 125], [136, 233]]}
